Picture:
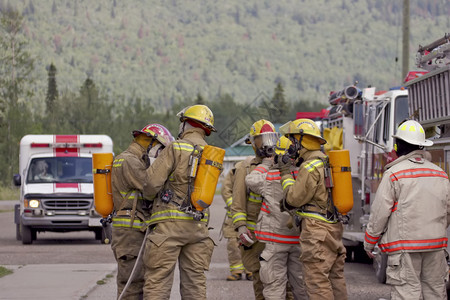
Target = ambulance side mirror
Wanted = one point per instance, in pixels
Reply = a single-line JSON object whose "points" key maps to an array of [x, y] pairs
{"points": [[17, 180]]}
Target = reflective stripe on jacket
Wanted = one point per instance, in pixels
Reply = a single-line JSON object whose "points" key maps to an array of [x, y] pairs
{"points": [[411, 206]]}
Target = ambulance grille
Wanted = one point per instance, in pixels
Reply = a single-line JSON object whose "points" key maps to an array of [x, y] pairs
{"points": [[67, 204]]}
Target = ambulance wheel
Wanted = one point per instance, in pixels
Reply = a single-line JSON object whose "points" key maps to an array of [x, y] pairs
{"points": [[18, 235], [27, 235], [380, 265]]}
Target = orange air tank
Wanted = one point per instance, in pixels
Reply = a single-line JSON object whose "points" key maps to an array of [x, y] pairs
{"points": [[342, 190], [208, 173], [102, 164]]}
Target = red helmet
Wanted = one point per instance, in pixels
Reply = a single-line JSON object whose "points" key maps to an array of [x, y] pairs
{"points": [[157, 131]]}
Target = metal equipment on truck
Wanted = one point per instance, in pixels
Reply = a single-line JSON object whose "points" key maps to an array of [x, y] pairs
{"points": [[56, 186]]}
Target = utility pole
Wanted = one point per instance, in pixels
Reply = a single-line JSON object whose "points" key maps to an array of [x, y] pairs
{"points": [[405, 42]]}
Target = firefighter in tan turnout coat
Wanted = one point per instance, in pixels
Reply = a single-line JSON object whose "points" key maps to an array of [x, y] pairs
{"points": [[132, 211], [234, 254], [322, 250], [409, 218], [247, 204], [178, 233]]}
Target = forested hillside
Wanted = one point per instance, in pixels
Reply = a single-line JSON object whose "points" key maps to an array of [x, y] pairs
{"points": [[109, 66], [164, 51]]}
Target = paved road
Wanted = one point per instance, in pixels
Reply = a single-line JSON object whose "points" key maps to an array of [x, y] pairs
{"points": [[76, 266]]}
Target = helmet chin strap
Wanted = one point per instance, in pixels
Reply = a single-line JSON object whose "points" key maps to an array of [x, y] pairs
{"points": [[181, 129]]}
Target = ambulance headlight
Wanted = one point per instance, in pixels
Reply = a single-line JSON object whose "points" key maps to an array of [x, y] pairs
{"points": [[33, 203]]}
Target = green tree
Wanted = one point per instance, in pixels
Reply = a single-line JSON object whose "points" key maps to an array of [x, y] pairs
{"points": [[89, 113], [278, 108], [199, 99], [15, 67], [52, 89]]}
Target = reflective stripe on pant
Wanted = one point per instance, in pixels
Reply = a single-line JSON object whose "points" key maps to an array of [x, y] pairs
{"points": [[416, 274], [125, 244], [323, 258], [185, 242], [279, 265], [250, 258], [234, 256]]}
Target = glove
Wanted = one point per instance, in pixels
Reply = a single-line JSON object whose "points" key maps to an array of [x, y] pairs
{"points": [[245, 236], [284, 164]]}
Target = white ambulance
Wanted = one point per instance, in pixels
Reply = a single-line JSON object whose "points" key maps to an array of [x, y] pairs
{"points": [[55, 176]]}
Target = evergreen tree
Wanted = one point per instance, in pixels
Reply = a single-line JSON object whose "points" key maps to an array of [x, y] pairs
{"points": [[54, 8], [199, 99], [52, 90], [278, 109]]}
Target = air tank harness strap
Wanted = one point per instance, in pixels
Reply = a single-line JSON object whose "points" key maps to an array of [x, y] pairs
{"points": [[329, 185], [194, 161], [130, 195]]}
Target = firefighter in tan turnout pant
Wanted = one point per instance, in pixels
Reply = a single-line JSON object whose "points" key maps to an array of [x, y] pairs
{"points": [[322, 250], [279, 259], [247, 204], [234, 254], [409, 218], [178, 232], [131, 210]]}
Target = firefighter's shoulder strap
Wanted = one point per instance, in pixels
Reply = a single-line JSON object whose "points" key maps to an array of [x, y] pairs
{"points": [[328, 184]]}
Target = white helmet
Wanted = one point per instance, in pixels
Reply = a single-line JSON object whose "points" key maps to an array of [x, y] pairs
{"points": [[412, 133]]}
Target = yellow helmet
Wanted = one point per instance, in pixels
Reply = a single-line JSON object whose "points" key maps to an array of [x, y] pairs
{"points": [[282, 146], [198, 113], [306, 131]]}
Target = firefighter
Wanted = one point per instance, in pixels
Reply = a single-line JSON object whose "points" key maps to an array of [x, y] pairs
{"points": [[322, 250], [178, 233], [279, 259], [409, 218], [247, 204], [131, 209], [234, 254]]}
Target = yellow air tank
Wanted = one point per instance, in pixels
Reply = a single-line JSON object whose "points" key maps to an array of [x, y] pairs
{"points": [[208, 173], [342, 190], [102, 164]]}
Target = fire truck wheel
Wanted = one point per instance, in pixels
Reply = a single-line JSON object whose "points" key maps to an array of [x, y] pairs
{"points": [[380, 265], [360, 256], [27, 236]]}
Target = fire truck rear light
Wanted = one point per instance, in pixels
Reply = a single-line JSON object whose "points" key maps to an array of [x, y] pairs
{"points": [[39, 145], [368, 198], [94, 145]]}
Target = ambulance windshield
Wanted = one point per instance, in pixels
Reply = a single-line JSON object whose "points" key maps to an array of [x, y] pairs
{"points": [[60, 170]]}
